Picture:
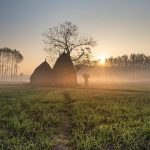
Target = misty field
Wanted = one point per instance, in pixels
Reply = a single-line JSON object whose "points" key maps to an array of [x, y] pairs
{"points": [[34, 118]]}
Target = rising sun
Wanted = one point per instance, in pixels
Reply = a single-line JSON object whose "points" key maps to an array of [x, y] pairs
{"points": [[102, 59]]}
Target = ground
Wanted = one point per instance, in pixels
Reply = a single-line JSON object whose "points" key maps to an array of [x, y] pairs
{"points": [[107, 118]]}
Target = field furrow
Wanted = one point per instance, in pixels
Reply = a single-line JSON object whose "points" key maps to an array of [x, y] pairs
{"points": [[73, 119]]}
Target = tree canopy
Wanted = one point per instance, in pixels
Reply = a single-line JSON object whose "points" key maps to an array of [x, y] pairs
{"points": [[66, 38], [9, 60]]}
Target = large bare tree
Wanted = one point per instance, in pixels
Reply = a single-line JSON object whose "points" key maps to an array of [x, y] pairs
{"points": [[65, 38]]}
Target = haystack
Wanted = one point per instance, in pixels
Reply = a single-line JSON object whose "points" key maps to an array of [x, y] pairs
{"points": [[42, 75], [64, 71]]}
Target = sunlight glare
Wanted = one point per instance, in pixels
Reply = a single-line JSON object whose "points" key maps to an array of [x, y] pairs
{"points": [[102, 59]]}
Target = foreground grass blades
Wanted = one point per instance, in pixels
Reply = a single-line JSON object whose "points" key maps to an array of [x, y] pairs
{"points": [[112, 123], [43, 118]]}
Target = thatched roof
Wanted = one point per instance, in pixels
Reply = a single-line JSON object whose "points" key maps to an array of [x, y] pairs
{"points": [[64, 71], [42, 75]]}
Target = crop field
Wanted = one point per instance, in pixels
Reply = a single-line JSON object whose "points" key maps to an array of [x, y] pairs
{"points": [[33, 118]]}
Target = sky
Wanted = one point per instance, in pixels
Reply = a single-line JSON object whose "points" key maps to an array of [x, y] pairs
{"points": [[119, 26]]}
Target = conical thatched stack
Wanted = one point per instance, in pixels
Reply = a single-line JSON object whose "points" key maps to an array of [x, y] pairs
{"points": [[42, 75], [64, 71]]}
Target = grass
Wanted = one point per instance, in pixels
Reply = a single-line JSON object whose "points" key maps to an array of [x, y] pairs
{"points": [[94, 119]]}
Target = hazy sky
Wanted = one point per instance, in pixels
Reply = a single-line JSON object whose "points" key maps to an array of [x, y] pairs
{"points": [[119, 26]]}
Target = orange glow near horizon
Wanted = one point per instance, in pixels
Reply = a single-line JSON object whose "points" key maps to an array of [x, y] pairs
{"points": [[102, 59]]}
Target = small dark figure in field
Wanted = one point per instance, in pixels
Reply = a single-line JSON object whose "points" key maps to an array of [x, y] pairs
{"points": [[86, 79]]}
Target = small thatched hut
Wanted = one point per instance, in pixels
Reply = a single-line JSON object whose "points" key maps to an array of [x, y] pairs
{"points": [[42, 75], [64, 71]]}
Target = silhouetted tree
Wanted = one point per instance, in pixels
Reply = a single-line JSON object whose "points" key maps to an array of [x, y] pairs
{"points": [[65, 38], [9, 60]]}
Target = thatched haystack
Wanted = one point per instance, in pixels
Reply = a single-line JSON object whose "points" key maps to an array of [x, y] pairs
{"points": [[64, 71], [42, 75]]}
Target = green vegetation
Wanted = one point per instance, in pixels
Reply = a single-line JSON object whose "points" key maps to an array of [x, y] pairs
{"points": [[80, 119]]}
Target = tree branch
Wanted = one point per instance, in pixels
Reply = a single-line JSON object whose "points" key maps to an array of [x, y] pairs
{"points": [[78, 57], [65, 38], [85, 43], [53, 39]]}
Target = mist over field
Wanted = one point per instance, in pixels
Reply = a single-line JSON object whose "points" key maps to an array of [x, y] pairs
{"points": [[100, 76], [106, 75], [75, 75]]}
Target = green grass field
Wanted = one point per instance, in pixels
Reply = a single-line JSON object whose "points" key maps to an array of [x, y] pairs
{"points": [[34, 118]]}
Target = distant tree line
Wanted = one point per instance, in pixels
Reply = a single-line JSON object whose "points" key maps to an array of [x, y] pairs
{"points": [[9, 60], [133, 67], [133, 61]]}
